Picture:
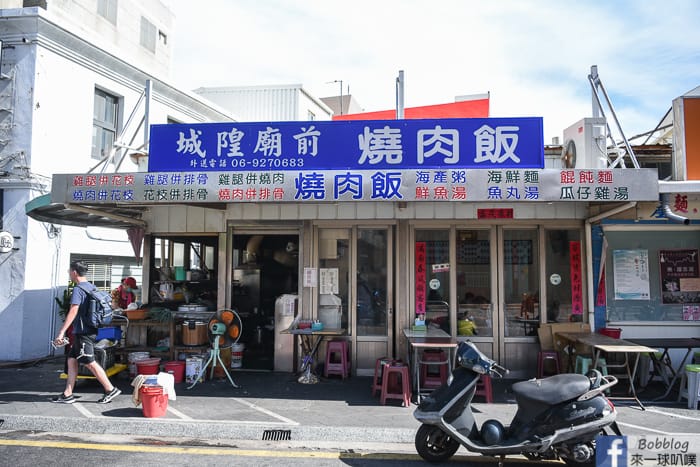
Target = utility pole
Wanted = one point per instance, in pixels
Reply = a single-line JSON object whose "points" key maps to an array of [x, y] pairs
{"points": [[341, 92]]}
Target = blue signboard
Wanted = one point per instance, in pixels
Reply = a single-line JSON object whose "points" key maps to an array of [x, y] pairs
{"points": [[459, 143]]}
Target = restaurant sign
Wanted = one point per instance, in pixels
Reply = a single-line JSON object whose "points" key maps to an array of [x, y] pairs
{"points": [[507, 185], [457, 143]]}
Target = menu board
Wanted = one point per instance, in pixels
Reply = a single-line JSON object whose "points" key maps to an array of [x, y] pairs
{"points": [[631, 271], [680, 276]]}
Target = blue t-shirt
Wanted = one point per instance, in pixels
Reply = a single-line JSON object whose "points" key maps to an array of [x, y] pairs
{"points": [[81, 298]]}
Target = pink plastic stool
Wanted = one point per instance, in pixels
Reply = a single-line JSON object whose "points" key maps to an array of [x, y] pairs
{"points": [[378, 373], [393, 389], [432, 360], [483, 388], [337, 359]]}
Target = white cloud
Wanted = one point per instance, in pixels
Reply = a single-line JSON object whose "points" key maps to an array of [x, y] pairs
{"points": [[533, 56]]}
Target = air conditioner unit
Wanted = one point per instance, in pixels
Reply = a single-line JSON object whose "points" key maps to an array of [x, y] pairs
{"points": [[584, 145]]}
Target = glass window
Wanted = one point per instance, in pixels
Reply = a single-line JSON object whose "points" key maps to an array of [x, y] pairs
{"points": [[108, 10], [104, 124], [521, 282], [672, 278], [564, 276], [432, 277], [371, 282], [474, 283], [148, 35]]}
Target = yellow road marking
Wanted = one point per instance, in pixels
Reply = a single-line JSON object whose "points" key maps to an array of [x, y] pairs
{"points": [[203, 450]]}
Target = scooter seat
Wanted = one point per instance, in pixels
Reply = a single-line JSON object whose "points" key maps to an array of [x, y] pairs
{"points": [[552, 390]]}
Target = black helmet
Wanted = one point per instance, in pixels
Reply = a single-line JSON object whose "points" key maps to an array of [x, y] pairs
{"points": [[492, 432]]}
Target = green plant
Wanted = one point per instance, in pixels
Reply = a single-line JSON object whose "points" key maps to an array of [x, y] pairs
{"points": [[64, 302]]}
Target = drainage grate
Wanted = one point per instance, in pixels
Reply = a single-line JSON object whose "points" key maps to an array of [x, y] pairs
{"points": [[277, 435]]}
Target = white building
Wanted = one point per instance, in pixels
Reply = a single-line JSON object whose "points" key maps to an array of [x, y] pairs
{"points": [[280, 103], [73, 73]]}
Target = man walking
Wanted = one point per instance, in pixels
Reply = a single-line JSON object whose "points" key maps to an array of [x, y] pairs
{"points": [[83, 348]]}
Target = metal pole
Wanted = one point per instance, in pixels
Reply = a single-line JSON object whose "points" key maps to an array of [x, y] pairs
{"points": [[399, 95], [147, 109], [341, 97]]}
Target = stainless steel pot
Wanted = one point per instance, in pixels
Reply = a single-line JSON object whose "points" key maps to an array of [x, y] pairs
{"points": [[192, 308]]}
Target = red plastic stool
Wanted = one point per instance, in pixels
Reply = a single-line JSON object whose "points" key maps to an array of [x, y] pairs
{"points": [[429, 362], [483, 388], [337, 359], [378, 372], [396, 390], [545, 355]]}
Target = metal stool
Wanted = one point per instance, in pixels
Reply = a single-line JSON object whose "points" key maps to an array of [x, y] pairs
{"points": [[337, 359], [429, 361], [393, 389], [547, 355], [484, 388]]}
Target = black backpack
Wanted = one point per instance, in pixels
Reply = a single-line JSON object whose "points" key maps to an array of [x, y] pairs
{"points": [[99, 309]]}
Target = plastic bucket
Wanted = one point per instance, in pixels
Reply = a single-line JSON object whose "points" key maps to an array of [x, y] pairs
{"points": [[148, 366], [177, 368], [132, 358], [611, 332], [180, 273], [193, 365], [154, 402], [237, 355]]}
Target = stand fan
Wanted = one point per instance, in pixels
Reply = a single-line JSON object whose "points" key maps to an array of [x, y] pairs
{"points": [[224, 328]]}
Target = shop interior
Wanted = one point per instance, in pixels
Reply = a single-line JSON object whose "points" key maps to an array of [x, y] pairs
{"points": [[265, 272]]}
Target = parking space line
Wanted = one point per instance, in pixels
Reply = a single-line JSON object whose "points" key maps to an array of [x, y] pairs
{"points": [[265, 411], [673, 415], [178, 414], [85, 412], [651, 430]]}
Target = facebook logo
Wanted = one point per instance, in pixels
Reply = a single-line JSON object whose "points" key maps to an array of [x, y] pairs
{"points": [[611, 451]]}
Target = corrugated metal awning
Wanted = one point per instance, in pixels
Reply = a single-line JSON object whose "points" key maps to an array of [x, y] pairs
{"points": [[42, 209]]}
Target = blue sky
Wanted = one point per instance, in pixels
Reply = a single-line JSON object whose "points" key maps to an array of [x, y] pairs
{"points": [[533, 56]]}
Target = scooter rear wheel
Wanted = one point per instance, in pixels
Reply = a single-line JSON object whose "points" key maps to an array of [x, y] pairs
{"points": [[434, 445]]}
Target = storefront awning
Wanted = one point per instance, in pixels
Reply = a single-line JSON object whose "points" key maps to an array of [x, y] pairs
{"points": [[77, 215]]}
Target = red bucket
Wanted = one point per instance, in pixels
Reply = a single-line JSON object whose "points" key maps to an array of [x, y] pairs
{"points": [[148, 366], [154, 402], [177, 368], [615, 333]]}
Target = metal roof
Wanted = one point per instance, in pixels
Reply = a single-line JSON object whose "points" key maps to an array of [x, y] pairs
{"points": [[119, 217]]}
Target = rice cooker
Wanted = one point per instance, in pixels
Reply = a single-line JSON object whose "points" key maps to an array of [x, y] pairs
{"points": [[194, 332]]}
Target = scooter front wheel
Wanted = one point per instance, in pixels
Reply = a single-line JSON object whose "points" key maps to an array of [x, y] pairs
{"points": [[434, 445]]}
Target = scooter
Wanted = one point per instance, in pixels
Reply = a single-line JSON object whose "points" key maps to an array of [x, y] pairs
{"points": [[558, 417]]}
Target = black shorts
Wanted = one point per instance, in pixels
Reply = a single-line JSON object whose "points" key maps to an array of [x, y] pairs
{"points": [[83, 348]]}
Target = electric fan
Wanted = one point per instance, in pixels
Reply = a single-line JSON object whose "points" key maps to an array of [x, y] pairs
{"points": [[224, 329]]}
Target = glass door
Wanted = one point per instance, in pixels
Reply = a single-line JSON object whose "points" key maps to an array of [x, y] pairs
{"points": [[373, 297]]}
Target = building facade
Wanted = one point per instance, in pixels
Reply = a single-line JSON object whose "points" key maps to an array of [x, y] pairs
{"points": [[72, 84]]}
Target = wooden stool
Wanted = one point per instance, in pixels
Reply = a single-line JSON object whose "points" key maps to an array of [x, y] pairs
{"points": [[484, 388], [429, 360], [547, 355], [337, 359], [401, 390]]}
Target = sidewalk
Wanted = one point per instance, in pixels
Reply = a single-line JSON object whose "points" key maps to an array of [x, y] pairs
{"points": [[266, 406]]}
